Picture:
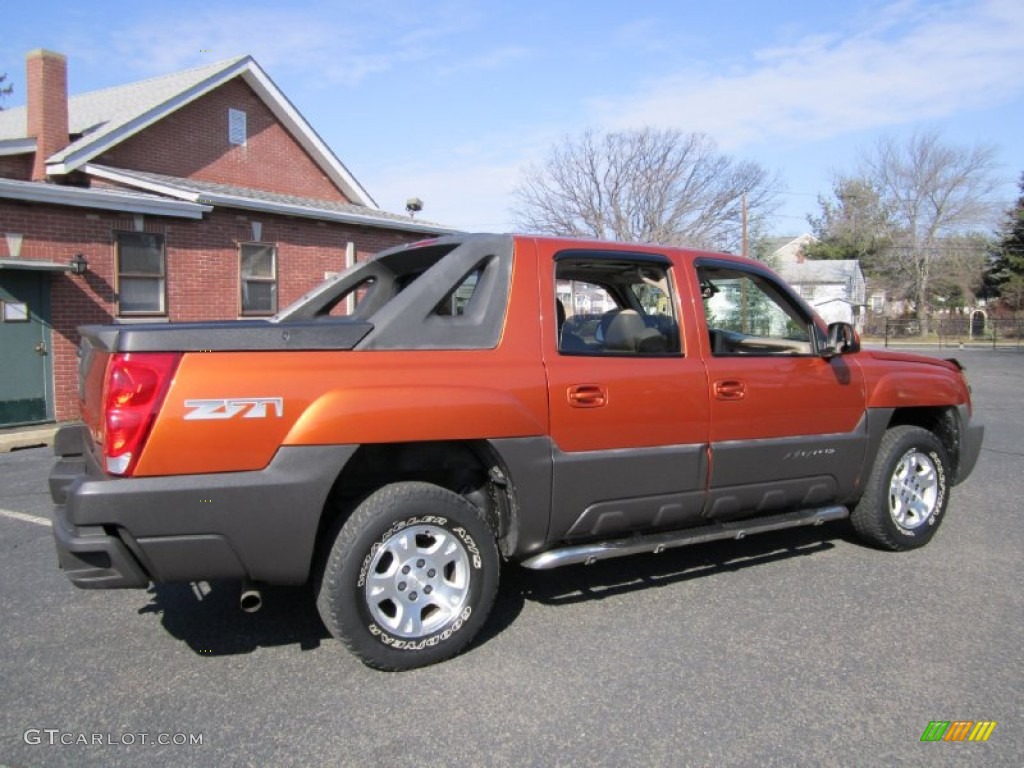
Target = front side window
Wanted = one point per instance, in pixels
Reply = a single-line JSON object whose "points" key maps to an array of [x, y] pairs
{"points": [[611, 306], [749, 314], [258, 278], [141, 273]]}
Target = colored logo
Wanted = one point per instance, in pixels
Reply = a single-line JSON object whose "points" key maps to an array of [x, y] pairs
{"points": [[958, 730]]}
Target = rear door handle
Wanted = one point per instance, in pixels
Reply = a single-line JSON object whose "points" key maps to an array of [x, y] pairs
{"points": [[730, 389], [587, 396]]}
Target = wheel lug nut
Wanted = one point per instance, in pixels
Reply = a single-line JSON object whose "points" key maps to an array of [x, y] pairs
{"points": [[420, 563], [401, 586], [413, 596], [427, 589], [406, 569], [431, 573]]}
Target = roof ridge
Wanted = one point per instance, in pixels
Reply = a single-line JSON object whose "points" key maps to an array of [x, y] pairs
{"points": [[214, 67], [218, 66]]}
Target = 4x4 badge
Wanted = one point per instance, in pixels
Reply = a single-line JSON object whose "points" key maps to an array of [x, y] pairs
{"points": [[229, 407]]}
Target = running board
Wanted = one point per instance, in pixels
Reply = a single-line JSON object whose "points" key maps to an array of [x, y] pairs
{"points": [[659, 542]]}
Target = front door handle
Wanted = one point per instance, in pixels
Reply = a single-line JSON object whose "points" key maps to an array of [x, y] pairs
{"points": [[587, 396], [730, 389]]}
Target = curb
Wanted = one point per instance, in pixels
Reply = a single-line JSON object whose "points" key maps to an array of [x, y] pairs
{"points": [[31, 437]]}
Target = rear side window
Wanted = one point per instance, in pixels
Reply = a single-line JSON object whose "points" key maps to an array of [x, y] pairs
{"points": [[612, 304]]}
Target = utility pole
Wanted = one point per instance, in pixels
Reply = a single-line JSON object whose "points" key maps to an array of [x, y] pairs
{"points": [[744, 246]]}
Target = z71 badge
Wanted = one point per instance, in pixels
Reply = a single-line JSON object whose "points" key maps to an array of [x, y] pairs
{"points": [[229, 407]]}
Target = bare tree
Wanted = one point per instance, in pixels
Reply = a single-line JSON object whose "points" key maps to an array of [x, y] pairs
{"points": [[960, 270], [646, 185], [933, 192]]}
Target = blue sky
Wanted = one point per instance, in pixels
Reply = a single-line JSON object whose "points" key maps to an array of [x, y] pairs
{"points": [[449, 100]]}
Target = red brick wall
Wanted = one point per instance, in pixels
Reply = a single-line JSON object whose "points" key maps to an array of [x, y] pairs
{"points": [[51, 233], [202, 266], [46, 98], [16, 167], [193, 143]]}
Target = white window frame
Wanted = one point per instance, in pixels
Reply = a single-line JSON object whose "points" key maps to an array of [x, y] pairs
{"points": [[160, 279], [243, 279]]}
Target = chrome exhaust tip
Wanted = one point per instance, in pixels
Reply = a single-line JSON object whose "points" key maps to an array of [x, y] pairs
{"points": [[251, 599]]}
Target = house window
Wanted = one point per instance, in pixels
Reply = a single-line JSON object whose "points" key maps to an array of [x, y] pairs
{"points": [[258, 278], [806, 292], [236, 127], [141, 273]]}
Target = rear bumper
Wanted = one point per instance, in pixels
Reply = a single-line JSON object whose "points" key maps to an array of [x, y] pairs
{"points": [[92, 559], [125, 532]]}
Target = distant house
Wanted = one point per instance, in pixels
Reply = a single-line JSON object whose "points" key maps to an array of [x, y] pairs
{"points": [[835, 288], [198, 195]]}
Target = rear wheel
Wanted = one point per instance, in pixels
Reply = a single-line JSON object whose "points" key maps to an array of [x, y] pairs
{"points": [[907, 492], [410, 578]]}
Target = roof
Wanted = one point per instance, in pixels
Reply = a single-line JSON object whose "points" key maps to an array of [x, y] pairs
{"points": [[821, 271], [787, 249], [109, 199], [211, 193], [107, 117]]}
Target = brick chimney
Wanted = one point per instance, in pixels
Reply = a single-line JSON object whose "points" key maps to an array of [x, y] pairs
{"points": [[47, 97]]}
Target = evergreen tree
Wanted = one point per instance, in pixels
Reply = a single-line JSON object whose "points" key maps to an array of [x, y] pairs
{"points": [[854, 224], [1006, 274]]}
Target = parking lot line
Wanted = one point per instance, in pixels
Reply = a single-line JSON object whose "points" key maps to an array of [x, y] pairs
{"points": [[26, 518]]}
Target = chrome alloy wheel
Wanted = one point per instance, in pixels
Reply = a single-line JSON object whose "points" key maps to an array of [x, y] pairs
{"points": [[418, 580], [913, 490]]}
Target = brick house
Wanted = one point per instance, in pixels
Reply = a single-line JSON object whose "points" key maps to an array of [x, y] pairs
{"points": [[198, 195]]}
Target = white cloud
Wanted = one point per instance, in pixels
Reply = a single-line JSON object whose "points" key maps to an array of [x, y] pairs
{"points": [[331, 43], [903, 66]]}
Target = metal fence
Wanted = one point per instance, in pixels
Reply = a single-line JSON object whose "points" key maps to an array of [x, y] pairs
{"points": [[954, 331]]}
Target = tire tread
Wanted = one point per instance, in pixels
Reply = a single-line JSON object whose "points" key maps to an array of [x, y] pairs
{"points": [[870, 518], [376, 505]]}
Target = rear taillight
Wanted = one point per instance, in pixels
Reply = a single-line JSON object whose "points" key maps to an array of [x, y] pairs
{"points": [[133, 392]]}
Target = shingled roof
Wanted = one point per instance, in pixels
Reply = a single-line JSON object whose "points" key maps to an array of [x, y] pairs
{"points": [[211, 193], [820, 271], [99, 120]]}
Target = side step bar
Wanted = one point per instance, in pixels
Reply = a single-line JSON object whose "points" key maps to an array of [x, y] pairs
{"points": [[659, 542]]}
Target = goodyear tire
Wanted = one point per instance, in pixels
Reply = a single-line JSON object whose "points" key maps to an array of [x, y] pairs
{"points": [[907, 492], [410, 578]]}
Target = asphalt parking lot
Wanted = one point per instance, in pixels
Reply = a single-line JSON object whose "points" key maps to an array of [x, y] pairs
{"points": [[796, 648]]}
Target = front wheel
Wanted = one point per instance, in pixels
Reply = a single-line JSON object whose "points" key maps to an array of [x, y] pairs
{"points": [[410, 578], [907, 492]]}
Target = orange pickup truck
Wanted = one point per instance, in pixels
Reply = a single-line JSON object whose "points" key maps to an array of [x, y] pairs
{"points": [[398, 432]]}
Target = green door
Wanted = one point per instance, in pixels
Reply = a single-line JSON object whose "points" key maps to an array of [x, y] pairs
{"points": [[25, 368]]}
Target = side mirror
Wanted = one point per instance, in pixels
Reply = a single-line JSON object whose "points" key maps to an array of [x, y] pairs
{"points": [[842, 340]]}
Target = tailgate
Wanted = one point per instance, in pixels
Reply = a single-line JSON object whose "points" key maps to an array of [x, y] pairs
{"points": [[93, 355]]}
